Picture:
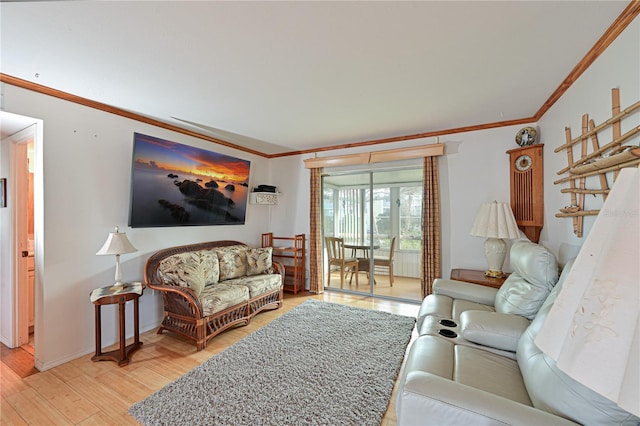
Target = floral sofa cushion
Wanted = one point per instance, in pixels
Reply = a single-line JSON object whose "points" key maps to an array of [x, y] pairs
{"points": [[222, 277], [258, 284], [218, 297], [233, 261], [194, 269], [259, 261]]}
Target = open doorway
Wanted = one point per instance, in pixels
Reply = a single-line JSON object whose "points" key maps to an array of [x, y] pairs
{"points": [[377, 215], [30, 252], [18, 259]]}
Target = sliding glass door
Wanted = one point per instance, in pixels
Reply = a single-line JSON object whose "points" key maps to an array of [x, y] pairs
{"points": [[377, 216]]}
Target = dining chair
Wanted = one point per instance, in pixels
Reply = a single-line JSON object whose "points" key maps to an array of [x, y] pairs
{"points": [[335, 250], [387, 262], [380, 262]]}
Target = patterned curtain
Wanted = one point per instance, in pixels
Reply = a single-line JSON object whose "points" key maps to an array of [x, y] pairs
{"points": [[315, 233], [431, 259]]}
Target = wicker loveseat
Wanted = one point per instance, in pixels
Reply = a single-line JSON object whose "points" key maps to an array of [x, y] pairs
{"points": [[212, 286]]}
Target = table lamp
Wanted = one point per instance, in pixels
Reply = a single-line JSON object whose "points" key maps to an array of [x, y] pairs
{"points": [[117, 244], [495, 221]]}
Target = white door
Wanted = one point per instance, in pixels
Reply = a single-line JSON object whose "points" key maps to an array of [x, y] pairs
{"points": [[21, 199]]}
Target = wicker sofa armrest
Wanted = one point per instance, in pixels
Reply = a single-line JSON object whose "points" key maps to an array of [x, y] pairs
{"points": [[278, 268], [179, 300]]}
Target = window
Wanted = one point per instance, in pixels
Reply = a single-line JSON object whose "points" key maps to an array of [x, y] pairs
{"points": [[382, 217], [328, 211], [396, 206], [410, 214]]}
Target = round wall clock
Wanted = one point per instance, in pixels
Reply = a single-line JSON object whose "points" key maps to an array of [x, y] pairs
{"points": [[523, 162]]}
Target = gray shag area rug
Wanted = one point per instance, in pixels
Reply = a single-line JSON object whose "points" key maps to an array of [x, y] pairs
{"points": [[319, 364]]}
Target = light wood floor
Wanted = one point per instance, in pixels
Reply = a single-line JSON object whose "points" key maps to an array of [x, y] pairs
{"points": [[403, 287], [82, 392]]}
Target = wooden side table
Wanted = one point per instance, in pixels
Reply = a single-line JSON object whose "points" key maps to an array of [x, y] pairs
{"points": [[476, 277], [110, 296]]}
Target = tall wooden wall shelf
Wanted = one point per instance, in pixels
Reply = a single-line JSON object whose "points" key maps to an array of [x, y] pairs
{"points": [[291, 252], [527, 189], [609, 158]]}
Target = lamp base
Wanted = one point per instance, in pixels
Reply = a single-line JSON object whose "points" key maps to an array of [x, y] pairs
{"points": [[119, 286], [495, 250], [494, 274]]}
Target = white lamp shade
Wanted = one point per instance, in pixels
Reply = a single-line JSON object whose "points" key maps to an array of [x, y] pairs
{"points": [[495, 220], [117, 243], [593, 328]]}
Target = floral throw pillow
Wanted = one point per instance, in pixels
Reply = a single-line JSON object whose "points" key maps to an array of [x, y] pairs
{"points": [[259, 261], [233, 262], [194, 269]]}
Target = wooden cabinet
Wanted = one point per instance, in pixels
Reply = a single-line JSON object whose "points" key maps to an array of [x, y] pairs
{"points": [[527, 189], [291, 252]]}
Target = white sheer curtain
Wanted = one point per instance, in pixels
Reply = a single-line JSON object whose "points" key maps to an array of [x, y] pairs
{"points": [[593, 328]]}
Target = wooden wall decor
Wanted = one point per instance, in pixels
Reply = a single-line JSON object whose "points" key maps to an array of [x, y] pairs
{"points": [[527, 189], [608, 158]]}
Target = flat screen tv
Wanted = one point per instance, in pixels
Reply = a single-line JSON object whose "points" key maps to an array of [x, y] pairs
{"points": [[176, 185]]}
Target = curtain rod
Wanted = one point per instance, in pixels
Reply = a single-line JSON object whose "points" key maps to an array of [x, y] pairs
{"points": [[430, 150]]}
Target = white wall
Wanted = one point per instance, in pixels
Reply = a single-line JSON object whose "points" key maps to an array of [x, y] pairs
{"points": [[618, 66], [291, 215], [87, 164]]}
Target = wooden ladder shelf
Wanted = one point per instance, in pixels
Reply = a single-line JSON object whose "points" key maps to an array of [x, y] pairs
{"points": [[610, 157], [291, 252]]}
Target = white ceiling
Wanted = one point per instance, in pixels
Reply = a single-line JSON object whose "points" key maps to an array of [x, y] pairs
{"points": [[284, 76]]}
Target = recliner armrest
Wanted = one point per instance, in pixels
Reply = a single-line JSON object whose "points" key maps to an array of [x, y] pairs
{"points": [[500, 331], [465, 291], [428, 399]]}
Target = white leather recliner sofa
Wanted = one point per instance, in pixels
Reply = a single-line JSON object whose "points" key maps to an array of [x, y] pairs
{"points": [[456, 308], [524, 291], [491, 372]]}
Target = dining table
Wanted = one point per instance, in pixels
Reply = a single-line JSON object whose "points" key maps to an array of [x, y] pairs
{"points": [[360, 246], [365, 251]]}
